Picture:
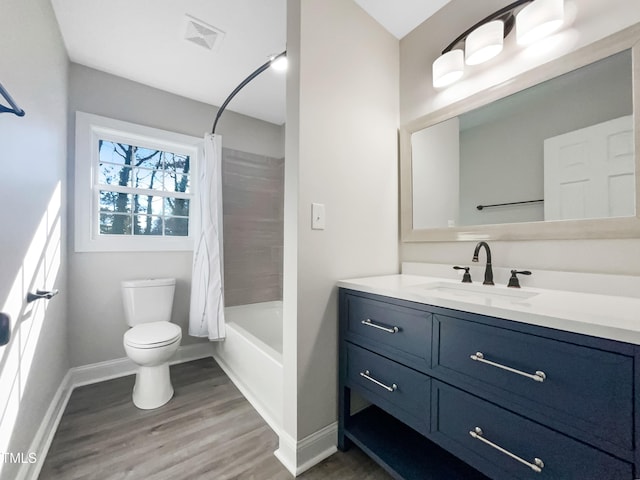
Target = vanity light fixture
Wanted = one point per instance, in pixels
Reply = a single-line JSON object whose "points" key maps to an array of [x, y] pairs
{"points": [[538, 20], [448, 68], [484, 43], [533, 19]]}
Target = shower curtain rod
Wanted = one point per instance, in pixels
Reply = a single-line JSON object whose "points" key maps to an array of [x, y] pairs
{"points": [[258, 71]]}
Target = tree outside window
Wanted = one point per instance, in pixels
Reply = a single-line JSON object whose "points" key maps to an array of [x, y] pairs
{"points": [[143, 191]]}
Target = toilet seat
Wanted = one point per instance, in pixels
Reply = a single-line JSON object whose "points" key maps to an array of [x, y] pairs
{"points": [[152, 335]]}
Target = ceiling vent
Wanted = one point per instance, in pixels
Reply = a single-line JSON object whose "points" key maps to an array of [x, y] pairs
{"points": [[202, 34]]}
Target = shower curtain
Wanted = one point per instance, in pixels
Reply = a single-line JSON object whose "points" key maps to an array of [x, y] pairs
{"points": [[206, 314]]}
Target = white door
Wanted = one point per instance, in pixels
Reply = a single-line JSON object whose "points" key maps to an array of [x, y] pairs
{"points": [[589, 173]]}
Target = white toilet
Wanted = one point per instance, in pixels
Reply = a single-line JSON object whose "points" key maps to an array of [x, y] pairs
{"points": [[152, 339]]}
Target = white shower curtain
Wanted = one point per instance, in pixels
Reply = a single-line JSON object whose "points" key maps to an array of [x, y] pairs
{"points": [[206, 315]]}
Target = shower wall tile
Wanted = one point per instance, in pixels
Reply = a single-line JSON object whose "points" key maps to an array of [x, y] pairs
{"points": [[253, 212]]}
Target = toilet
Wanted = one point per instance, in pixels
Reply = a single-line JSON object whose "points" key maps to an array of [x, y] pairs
{"points": [[152, 339]]}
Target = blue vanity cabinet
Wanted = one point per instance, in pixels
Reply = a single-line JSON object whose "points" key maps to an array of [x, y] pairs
{"points": [[587, 391], [464, 424], [461, 395]]}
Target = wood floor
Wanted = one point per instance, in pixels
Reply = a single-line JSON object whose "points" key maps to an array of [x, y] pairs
{"points": [[207, 431]]}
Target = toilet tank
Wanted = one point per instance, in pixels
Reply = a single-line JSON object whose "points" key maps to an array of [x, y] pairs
{"points": [[149, 300]]}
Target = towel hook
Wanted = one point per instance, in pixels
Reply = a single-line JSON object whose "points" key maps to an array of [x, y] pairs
{"points": [[14, 107]]}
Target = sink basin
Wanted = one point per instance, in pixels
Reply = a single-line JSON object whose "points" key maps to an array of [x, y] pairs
{"points": [[477, 293]]}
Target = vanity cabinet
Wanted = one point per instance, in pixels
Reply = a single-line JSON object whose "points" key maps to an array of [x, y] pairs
{"points": [[458, 395]]}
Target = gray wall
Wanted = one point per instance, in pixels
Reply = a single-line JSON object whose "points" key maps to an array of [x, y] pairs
{"points": [[341, 147], [253, 203], [33, 241], [96, 316], [591, 20]]}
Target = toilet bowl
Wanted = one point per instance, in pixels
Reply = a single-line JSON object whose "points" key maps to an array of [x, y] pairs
{"points": [[152, 339]]}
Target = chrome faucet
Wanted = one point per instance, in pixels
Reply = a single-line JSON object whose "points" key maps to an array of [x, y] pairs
{"points": [[488, 271]]}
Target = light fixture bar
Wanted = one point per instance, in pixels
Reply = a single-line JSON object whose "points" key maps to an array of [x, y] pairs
{"points": [[505, 14]]}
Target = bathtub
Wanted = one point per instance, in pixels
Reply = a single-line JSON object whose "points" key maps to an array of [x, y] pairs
{"points": [[251, 355]]}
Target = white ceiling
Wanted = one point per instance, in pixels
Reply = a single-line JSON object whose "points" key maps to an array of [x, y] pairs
{"points": [[143, 40], [399, 17]]}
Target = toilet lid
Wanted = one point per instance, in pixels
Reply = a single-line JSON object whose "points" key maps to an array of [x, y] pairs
{"points": [[152, 335]]}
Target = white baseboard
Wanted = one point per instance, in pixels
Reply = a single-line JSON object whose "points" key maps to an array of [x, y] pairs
{"points": [[249, 395], [44, 436], [300, 456], [120, 367], [85, 375]]}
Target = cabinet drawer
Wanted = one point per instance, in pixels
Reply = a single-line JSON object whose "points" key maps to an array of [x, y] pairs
{"points": [[401, 332], [584, 388], [399, 390], [457, 413]]}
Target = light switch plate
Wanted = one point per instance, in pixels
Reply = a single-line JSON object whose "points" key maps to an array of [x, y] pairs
{"points": [[317, 216]]}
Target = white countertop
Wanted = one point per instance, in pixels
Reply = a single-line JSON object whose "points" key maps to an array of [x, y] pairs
{"points": [[606, 316]]}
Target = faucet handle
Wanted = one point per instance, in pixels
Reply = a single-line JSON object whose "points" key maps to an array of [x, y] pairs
{"points": [[466, 278], [513, 281]]}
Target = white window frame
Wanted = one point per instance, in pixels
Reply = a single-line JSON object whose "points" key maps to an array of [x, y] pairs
{"points": [[89, 130]]}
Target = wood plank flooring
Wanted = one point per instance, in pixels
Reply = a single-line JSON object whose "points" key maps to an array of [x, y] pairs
{"points": [[207, 431]]}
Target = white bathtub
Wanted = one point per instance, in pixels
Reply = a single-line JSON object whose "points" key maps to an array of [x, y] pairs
{"points": [[251, 355]]}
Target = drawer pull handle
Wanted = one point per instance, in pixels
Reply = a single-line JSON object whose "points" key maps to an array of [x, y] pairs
{"points": [[366, 374], [536, 466], [539, 376], [369, 323]]}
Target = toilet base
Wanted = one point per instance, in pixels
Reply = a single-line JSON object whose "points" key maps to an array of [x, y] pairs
{"points": [[153, 387]]}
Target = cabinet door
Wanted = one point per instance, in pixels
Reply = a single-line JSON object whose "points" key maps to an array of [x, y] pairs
{"points": [[506, 446], [583, 388]]}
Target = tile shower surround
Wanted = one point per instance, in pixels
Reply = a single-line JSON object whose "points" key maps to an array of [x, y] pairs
{"points": [[253, 209]]}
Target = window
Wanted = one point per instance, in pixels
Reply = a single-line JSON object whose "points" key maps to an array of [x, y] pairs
{"points": [[134, 186]]}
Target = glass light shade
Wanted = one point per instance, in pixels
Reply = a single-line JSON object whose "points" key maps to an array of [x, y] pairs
{"points": [[538, 20], [484, 43], [448, 68], [280, 63]]}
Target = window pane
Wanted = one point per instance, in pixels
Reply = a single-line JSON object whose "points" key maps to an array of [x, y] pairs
{"points": [[176, 206], [149, 179], [115, 202], [108, 153], [118, 153], [177, 183], [178, 168], [180, 164], [114, 175], [147, 225], [176, 227], [115, 224], [147, 158], [148, 204]]}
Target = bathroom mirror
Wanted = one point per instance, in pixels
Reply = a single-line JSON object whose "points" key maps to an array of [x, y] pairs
{"points": [[550, 155]]}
